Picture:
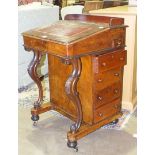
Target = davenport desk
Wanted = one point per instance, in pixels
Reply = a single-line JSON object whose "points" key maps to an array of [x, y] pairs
{"points": [[86, 57]]}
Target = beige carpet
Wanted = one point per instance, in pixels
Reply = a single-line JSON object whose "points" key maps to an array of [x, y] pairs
{"points": [[49, 137]]}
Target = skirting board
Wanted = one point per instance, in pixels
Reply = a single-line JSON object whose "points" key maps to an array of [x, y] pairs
{"points": [[129, 105]]}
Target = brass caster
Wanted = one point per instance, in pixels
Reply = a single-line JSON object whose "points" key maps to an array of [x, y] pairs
{"points": [[72, 144], [114, 122], [35, 119], [76, 149], [35, 123]]}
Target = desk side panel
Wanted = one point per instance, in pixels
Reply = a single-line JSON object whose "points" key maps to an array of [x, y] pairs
{"points": [[58, 74]]}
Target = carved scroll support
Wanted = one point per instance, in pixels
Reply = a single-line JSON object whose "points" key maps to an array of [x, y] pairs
{"points": [[32, 70], [71, 90]]}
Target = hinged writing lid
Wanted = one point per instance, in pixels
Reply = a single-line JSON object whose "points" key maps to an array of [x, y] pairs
{"points": [[66, 31]]}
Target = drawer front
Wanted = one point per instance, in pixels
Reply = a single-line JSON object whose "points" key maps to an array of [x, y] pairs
{"points": [[109, 61], [107, 94], [118, 37], [107, 78], [35, 44], [107, 110]]}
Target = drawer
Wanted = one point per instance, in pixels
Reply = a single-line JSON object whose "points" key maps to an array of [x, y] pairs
{"points": [[117, 37], [107, 94], [107, 78], [107, 110], [35, 43], [109, 61]]}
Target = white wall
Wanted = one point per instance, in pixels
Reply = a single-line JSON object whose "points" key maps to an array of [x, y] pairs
{"points": [[32, 16]]}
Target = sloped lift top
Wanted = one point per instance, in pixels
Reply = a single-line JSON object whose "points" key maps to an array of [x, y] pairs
{"points": [[66, 31]]}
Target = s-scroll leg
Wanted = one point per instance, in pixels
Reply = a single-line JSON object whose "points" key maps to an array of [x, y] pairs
{"points": [[32, 70], [71, 91]]}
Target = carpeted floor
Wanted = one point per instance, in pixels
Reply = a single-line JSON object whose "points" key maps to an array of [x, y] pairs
{"points": [[49, 137]]}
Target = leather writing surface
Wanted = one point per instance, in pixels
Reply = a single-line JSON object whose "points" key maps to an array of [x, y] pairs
{"points": [[66, 31]]}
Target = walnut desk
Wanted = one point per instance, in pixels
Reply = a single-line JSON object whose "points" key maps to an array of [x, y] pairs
{"points": [[86, 57]]}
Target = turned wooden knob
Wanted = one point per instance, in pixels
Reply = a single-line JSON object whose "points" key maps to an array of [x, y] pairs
{"points": [[116, 74], [99, 80], [121, 58], [117, 106], [100, 114], [115, 91], [100, 98], [119, 42], [103, 64]]}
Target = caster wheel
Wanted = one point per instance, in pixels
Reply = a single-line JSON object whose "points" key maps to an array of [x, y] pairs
{"points": [[35, 118], [35, 123], [114, 122], [76, 149], [72, 144]]}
